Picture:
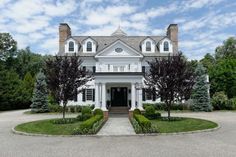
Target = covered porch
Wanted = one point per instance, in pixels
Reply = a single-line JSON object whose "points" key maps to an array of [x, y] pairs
{"points": [[118, 90]]}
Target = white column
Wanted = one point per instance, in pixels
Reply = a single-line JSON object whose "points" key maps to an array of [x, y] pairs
{"points": [[132, 96], [140, 99], [97, 103], [104, 107]]}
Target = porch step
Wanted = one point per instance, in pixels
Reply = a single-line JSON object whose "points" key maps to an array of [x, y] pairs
{"points": [[118, 110]]}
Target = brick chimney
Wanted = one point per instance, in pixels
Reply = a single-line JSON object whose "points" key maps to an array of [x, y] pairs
{"points": [[64, 33], [172, 33]]}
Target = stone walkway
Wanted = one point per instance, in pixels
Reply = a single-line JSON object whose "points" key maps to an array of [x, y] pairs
{"points": [[117, 126]]}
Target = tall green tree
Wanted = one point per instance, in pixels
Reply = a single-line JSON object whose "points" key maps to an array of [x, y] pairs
{"points": [[27, 61], [9, 85], [40, 95], [227, 50], [208, 62], [223, 77], [8, 46], [200, 93], [26, 90]]}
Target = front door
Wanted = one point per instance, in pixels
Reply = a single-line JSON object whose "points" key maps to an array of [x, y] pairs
{"points": [[119, 96]]}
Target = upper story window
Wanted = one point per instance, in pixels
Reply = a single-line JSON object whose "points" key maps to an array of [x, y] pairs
{"points": [[89, 46], [148, 46], [166, 46], [71, 46]]}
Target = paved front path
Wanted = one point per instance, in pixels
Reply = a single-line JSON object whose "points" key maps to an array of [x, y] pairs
{"points": [[117, 126], [220, 143]]}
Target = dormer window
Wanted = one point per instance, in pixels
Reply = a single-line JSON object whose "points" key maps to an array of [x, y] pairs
{"points": [[148, 46], [71, 46], [89, 46], [166, 46]]}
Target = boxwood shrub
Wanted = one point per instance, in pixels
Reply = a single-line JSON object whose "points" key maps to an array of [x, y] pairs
{"points": [[151, 113], [137, 111], [98, 112], [90, 126], [144, 123]]}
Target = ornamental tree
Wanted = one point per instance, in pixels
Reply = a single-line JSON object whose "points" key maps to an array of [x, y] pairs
{"points": [[200, 94], [40, 95], [65, 78], [170, 78]]}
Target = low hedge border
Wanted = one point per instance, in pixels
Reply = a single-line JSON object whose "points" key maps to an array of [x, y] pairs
{"points": [[90, 126], [142, 125]]}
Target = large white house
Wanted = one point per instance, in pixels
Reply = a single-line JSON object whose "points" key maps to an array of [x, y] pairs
{"points": [[118, 62]]}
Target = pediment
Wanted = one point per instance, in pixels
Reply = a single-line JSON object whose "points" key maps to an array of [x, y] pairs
{"points": [[118, 49]]}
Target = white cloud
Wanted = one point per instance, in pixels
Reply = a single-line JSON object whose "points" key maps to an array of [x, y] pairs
{"points": [[195, 4]]}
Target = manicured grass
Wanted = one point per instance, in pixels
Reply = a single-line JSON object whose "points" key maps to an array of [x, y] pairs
{"points": [[47, 127], [183, 125]]}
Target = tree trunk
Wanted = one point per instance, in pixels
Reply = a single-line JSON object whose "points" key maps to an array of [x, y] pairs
{"points": [[64, 110], [168, 108]]}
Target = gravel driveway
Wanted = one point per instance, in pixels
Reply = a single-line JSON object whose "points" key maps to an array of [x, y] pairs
{"points": [[221, 143]]}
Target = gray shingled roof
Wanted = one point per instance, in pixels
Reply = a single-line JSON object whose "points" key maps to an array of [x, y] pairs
{"points": [[105, 41]]}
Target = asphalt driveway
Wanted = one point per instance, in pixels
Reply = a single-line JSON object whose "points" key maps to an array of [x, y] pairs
{"points": [[220, 143]]}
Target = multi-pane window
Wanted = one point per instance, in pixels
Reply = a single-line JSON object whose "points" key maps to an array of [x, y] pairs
{"points": [[89, 94], [71, 46], [89, 46], [148, 46], [166, 46]]}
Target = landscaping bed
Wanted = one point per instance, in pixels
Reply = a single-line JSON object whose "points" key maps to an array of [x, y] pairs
{"points": [[87, 123], [182, 125], [151, 122]]}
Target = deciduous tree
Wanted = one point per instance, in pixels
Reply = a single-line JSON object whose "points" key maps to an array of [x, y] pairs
{"points": [[171, 78], [64, 77]]}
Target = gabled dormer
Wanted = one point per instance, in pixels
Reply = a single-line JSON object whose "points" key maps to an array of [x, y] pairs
{"points": [[89, 45], [71, 45], [165, 45], [148, 45]]}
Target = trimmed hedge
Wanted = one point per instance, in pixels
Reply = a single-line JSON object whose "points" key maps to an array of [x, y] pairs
{"points": [[144, 123], [86, 110], [163, 106], [90, 126]]}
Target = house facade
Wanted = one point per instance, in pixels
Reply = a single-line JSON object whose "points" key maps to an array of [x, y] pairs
{"points": [[118, 63]]}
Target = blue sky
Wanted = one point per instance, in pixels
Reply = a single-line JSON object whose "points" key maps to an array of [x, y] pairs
{"points": [[203, 24]]}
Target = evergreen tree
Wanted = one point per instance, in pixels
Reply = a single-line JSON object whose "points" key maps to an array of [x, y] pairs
{"points": [[26, 90], [39, 100], [200, 96]]}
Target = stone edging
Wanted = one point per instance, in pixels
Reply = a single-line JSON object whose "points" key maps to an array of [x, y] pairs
{"points": [[152, 134]]}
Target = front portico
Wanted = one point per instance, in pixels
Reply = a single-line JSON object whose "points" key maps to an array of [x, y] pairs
{"points": [[118, 89]]}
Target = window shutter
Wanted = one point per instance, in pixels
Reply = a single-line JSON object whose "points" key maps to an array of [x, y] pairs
{"points": [[93, 94], [83, 95], [94, 69], [154, 95], [84, 68], [75, 95], [143, 69], [144, 99]]}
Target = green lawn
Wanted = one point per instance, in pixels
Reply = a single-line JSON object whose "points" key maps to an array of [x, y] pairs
{"points": [[47, 127], [183, 125]]}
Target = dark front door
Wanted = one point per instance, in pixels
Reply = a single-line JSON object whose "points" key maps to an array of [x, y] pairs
{"points": [[119, 96]]}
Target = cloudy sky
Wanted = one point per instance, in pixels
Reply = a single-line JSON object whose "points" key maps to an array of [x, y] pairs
{"points": [[203, 24]]}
